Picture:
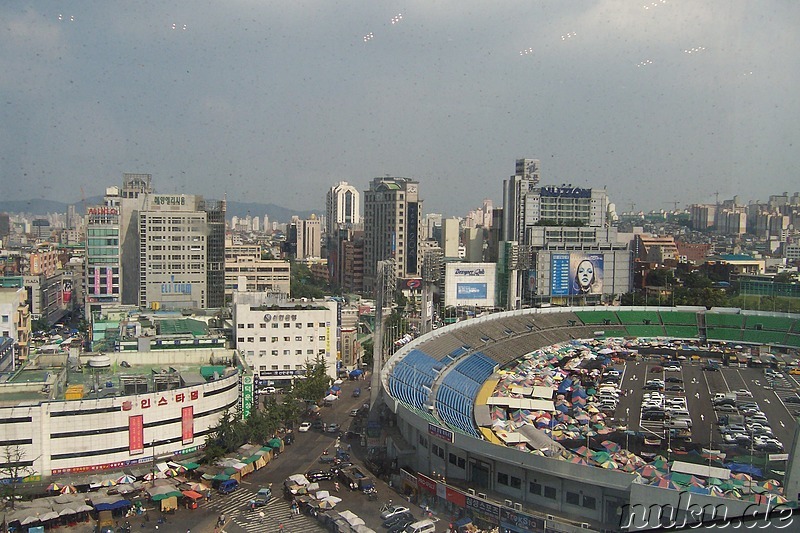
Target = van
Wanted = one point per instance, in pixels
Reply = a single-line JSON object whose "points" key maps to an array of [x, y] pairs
{"points": [[422, 526], [228, 486], [678, 424]]}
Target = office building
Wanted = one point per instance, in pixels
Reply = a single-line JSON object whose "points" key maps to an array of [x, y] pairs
{"points": [[343, 207], [392, 221], [181, 252]]}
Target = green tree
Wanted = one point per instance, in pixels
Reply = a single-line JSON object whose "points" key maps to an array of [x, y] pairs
{"points": [[316, 382], [369, 346], [660, 277]]}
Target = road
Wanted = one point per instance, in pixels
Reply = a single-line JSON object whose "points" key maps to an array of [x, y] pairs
{"points": [[300, 457]]}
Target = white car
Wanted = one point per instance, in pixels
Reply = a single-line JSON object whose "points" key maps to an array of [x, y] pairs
{"points": [[672, 369], [393, 510], [304, 427], [744, 392]]}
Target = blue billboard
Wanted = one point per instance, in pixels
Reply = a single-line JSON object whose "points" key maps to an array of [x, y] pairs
{"points": [[471, 291], [576, 273]]}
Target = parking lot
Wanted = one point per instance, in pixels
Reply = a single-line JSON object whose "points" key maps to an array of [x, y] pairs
{"points": [[699, 387]]}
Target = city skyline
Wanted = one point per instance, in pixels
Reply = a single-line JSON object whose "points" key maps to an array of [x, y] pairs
{"points": [[659, 103]]}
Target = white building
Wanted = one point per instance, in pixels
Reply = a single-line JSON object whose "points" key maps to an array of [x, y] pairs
{"points": [[343, 207], [470, 284], [277, 339]]}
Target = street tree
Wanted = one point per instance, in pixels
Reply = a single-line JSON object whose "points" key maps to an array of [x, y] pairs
{"points": [[14, 468]]}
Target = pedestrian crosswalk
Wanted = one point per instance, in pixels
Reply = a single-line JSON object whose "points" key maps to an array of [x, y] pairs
{"points": [[236, 509]]}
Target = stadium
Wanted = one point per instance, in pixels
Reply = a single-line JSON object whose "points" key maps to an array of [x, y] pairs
{"points": [[445, 390]]}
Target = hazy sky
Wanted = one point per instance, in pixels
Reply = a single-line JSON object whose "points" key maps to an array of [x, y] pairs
{"points": [[276, 101]]}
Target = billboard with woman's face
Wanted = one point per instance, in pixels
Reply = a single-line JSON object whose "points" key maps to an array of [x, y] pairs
{"points": [[576, 273]]}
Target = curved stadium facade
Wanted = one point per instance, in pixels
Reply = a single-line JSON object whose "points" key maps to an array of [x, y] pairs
{"points": [[438, 385]]}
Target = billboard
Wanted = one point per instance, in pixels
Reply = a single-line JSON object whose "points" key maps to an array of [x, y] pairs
{"points": [[576, 273], [471, 291]]}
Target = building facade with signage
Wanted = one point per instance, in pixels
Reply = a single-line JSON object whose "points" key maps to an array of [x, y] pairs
{"points": [[150, 417], [103, 264], [470, 284], [181, 252], [276, 338]]}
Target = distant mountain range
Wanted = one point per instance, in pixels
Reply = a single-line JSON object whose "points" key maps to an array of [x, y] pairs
{"points": [[276, 213]]}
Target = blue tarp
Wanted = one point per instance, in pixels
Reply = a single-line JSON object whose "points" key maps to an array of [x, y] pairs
{"points": [[355, 373], [747, 469], [119, 504]]}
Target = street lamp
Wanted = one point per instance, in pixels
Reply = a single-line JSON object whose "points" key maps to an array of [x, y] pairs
{"points": [[627, 426]]}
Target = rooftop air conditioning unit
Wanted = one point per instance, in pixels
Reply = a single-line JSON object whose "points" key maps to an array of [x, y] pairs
{"points": [[550, 517], [584, 525], [509, 503], [471, 492], [481, 495], [517, 506]]}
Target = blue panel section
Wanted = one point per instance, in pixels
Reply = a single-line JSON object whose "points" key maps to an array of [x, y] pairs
{"points": [[471, 291], [559, 275]]}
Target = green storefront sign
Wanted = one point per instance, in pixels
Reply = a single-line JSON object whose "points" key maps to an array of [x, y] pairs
{"points": [[247, 395]]}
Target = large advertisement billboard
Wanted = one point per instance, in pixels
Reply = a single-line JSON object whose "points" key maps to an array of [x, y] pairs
{"points": [[576, 273], [471, 291]]}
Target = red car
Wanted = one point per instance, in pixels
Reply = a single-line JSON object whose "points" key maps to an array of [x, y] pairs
{"points": [[656, 369]]}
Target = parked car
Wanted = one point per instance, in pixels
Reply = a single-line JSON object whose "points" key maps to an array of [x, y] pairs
{"points": [[304, 427], [318, 475], [710, 368], [673, 379], [317, 424], [792, 399], [399, 517], [393, 510], [656, 369], [744, 392], [334, 428]]}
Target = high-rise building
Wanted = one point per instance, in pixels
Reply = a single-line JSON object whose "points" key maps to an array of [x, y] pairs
{"points": [[103, 265], [450, 238], [135, 187], [392, 220], [515, 192], [343, 207]]}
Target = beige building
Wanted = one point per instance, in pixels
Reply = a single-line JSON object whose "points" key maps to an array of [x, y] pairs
{"points": [[245, 271], [15, 320]]}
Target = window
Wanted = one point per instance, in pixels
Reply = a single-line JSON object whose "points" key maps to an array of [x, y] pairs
{"points": [[275, 352], [298, 338], [573, 498], [437, 451], [310, 352], [262, 339], [589, 502], [286, 325], [535, 488], [322, 324], [251, 339], [287, 339], [298, 325], [516, 483], [322, 337], [274, 325], [287, 367], [502, 478], [274, 367], [240, 339], [251, 326], [298, 352], [262, 353], [274, 339], [287, 352], [550, 493], [310, 325], [423, 441]]}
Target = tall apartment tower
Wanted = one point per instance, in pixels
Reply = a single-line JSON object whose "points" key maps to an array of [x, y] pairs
{"points": [[343, 207], [515, 194], [392, 220]]}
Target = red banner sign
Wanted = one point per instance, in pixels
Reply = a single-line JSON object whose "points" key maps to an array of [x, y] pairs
{"points": [[109, 280], [136, 434], [96, 280], [187, 424]]}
